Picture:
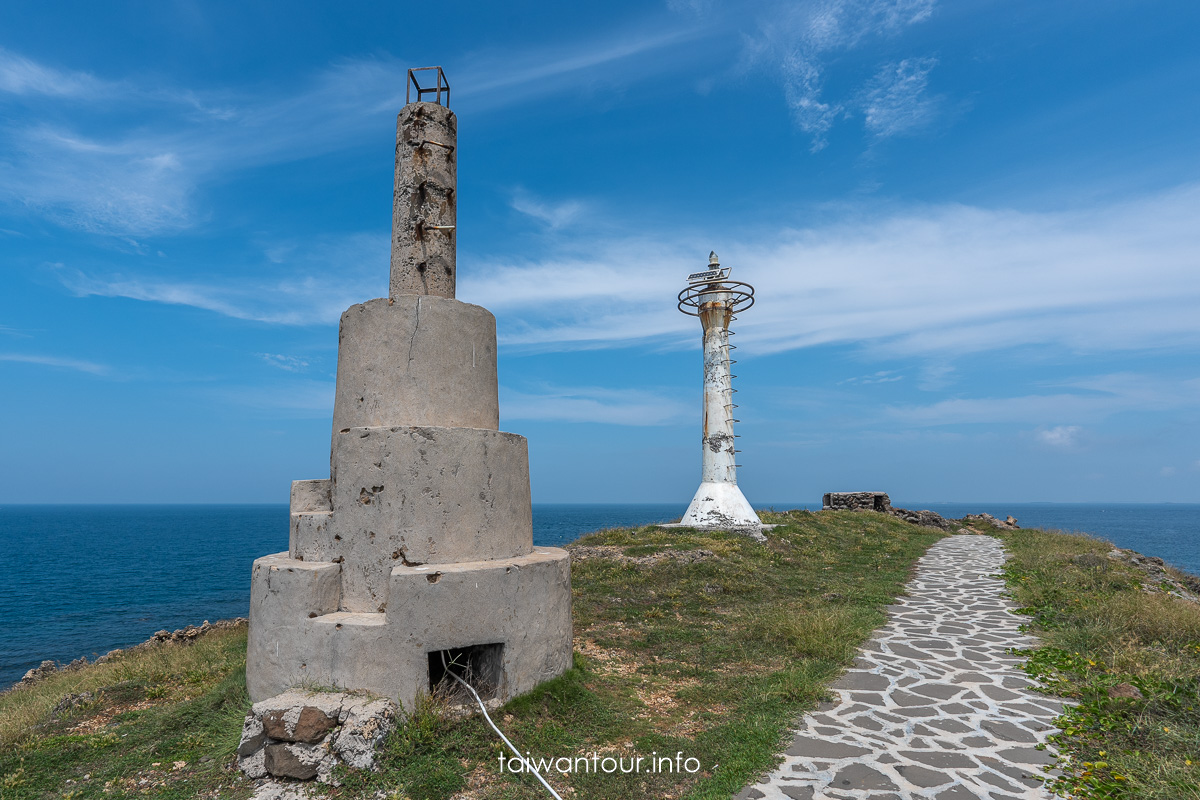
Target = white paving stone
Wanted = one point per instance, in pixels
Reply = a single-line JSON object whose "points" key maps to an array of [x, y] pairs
{"points": [[934, 707]]}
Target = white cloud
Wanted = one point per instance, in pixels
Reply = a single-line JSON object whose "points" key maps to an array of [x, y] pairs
{"points": [[310, 284], [1059, 435], [54, 361], [554, 215], [131, 187], [21, 76], [1167, 472], [142, 179], [897, 101], [283, 362], [796, 39], [936, 282], [592, 404], [882, 376], [1091, 400]]}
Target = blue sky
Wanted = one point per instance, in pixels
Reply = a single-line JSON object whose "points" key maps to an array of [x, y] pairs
{"points": [[972, 226]]}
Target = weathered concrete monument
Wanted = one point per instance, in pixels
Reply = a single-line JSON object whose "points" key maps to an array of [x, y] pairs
{"points": [[418, 550], [715, 299]]}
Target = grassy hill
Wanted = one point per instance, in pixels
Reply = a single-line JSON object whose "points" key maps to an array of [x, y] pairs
{"points": [[707, 645]]}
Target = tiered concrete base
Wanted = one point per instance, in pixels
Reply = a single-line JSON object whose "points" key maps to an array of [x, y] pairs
{"points": [[519, 607]]}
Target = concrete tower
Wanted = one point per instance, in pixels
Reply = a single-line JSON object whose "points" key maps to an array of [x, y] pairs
{"points": [[718, 503], [420, 543]]}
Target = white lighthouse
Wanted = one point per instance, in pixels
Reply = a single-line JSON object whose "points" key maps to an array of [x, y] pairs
{"points": [[715, 299]]}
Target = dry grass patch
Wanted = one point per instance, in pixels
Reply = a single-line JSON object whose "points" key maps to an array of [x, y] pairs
{"points": [[169, 673]]}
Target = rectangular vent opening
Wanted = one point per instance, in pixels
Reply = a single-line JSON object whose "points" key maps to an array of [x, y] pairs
{"points": [[481, 665]]}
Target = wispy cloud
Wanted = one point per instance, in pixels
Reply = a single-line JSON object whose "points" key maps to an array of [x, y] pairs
{"points": [[882, 376], [295, 285], [143, 178], [1059, 435], [593, 404], [1079, 401], [795, 40], [504, 78], [131, 186], [934, 282], [284, 362], [55, 361], [22, 76], [897, 101], [553, 215]]}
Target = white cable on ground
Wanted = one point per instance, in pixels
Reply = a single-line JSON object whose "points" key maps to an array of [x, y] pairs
{"points": [[499, 732]]}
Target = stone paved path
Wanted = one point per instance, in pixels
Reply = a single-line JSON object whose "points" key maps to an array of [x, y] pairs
{"points": [[934, 707]]}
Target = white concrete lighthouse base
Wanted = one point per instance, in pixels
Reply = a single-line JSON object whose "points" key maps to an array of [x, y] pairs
{"points": [[720, 505]]}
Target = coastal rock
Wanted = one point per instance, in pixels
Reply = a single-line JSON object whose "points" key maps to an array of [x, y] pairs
{"points": [[300, 761], [254, 765], [191, 633], [367, 724], [303, 735], [1008, 523], [43, 670], [71, 702], [926, 519], [253, 736], [1125, 691], [1158, 578]]}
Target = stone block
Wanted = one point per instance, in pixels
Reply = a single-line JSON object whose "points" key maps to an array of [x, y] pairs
{"points": [[856, 501], [299, 761], [416, 360], [367, 723], [312, 496], [308, 533], [302, 724], [423, 496], [285, 594]]}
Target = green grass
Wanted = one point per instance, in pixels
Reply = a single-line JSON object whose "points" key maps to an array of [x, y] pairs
{"points": [[1100, 627], [714, 657], [152, 709]]}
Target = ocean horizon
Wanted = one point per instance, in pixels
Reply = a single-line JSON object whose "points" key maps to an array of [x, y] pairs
{"points": [[94, 578]]}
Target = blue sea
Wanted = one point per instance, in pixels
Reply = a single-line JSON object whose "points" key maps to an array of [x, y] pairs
{"points": [[83, 580]]}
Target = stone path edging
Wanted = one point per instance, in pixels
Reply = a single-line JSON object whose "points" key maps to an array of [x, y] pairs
{"points": [[934, 707]]}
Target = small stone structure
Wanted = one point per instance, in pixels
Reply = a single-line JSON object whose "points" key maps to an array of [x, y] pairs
{"points": [[418, 549], [856, 501], [305, 735]]}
